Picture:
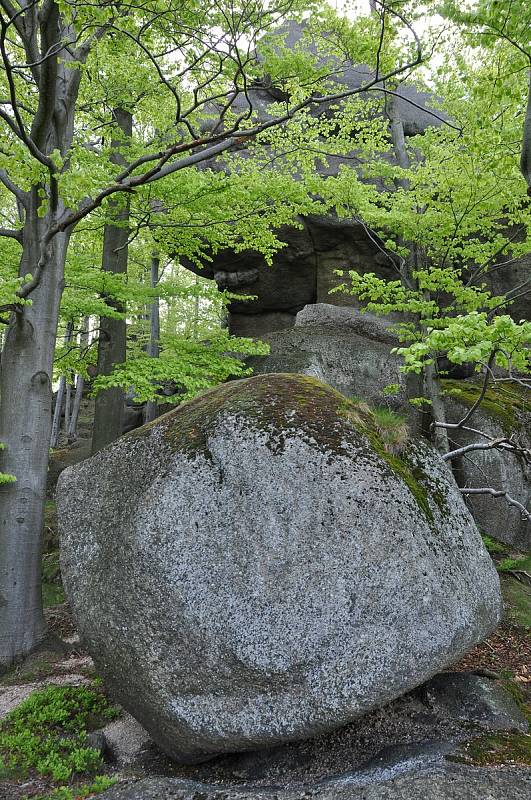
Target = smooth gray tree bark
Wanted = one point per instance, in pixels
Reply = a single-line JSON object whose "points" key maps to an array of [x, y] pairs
{"points": [[112, 345], [25, 427], [58, 410], [151, 409], [71, 430], [27, 356]]}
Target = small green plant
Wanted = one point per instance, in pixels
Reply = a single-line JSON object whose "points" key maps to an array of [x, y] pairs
{"points": [[493, 546], [392, 429], [99, 784], [46, 735], [515, 565]]}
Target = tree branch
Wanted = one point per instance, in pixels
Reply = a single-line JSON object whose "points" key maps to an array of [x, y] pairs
{"points": [[12, 187], [11, 234], [499, 493]]}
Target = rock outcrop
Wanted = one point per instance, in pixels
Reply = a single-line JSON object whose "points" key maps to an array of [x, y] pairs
{"points": [[504, 412], [351, 351], [343, 347], [446, 782], [255, 567], [303, 270]]}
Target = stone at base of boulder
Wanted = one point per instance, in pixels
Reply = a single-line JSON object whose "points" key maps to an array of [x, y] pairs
{"points": [[401, 748], [126, 740], [443, 782], [469, 697]]}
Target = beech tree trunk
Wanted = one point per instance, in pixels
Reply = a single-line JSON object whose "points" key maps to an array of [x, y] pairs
{"points": [[71, 430], [113, 332], [151, 409], [56, 422], [25, 427], [27, 356]]}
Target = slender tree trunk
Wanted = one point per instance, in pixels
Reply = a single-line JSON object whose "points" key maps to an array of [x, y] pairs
{"points": [[56, 423], [68, 405], [113, 332], [151, 409], [196, 313], [71, 430], [433, 393], [57, 413], [25, 427], [414, 383], [27, 357]]}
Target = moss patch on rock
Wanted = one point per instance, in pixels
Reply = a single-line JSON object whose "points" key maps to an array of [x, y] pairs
{"points": [[504, 403], [496, 749], [283, 405], [503, 747]]}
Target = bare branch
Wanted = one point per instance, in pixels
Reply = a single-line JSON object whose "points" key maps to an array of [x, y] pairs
{"points": [[499, 493], [11, 234], [17, 125], [494, 444], [12, 187]]}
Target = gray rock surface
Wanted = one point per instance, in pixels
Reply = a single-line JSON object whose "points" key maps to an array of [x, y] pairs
{"points": [[348, 349], [470, 697], [416, 729], [445, 782], [481, 468], [255, 568]]}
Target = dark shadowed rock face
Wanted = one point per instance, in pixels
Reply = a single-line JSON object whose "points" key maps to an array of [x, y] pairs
{"points": [[303, 270], [255, 567]]}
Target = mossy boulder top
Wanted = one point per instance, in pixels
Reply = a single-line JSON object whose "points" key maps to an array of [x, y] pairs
{"points": [[257, 567]]}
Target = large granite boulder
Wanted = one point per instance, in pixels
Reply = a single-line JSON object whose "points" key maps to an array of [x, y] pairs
{"points": [[256, 567]]}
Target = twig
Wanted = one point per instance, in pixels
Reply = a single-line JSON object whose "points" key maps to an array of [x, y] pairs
{"points": [[499, 493]]}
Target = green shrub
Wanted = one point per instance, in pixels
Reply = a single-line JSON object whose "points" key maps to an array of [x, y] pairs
{"points": [[493, 546], [99, 784], [46, 735], [509, 564]]}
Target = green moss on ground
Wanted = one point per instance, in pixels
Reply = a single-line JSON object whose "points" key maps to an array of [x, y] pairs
{"points": [[503, 747], [505, 404], [494, 546], [52, 588], [517, 600], [282, 403], [497, 749], [515, 571], [46, 737], [518, 564]]}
